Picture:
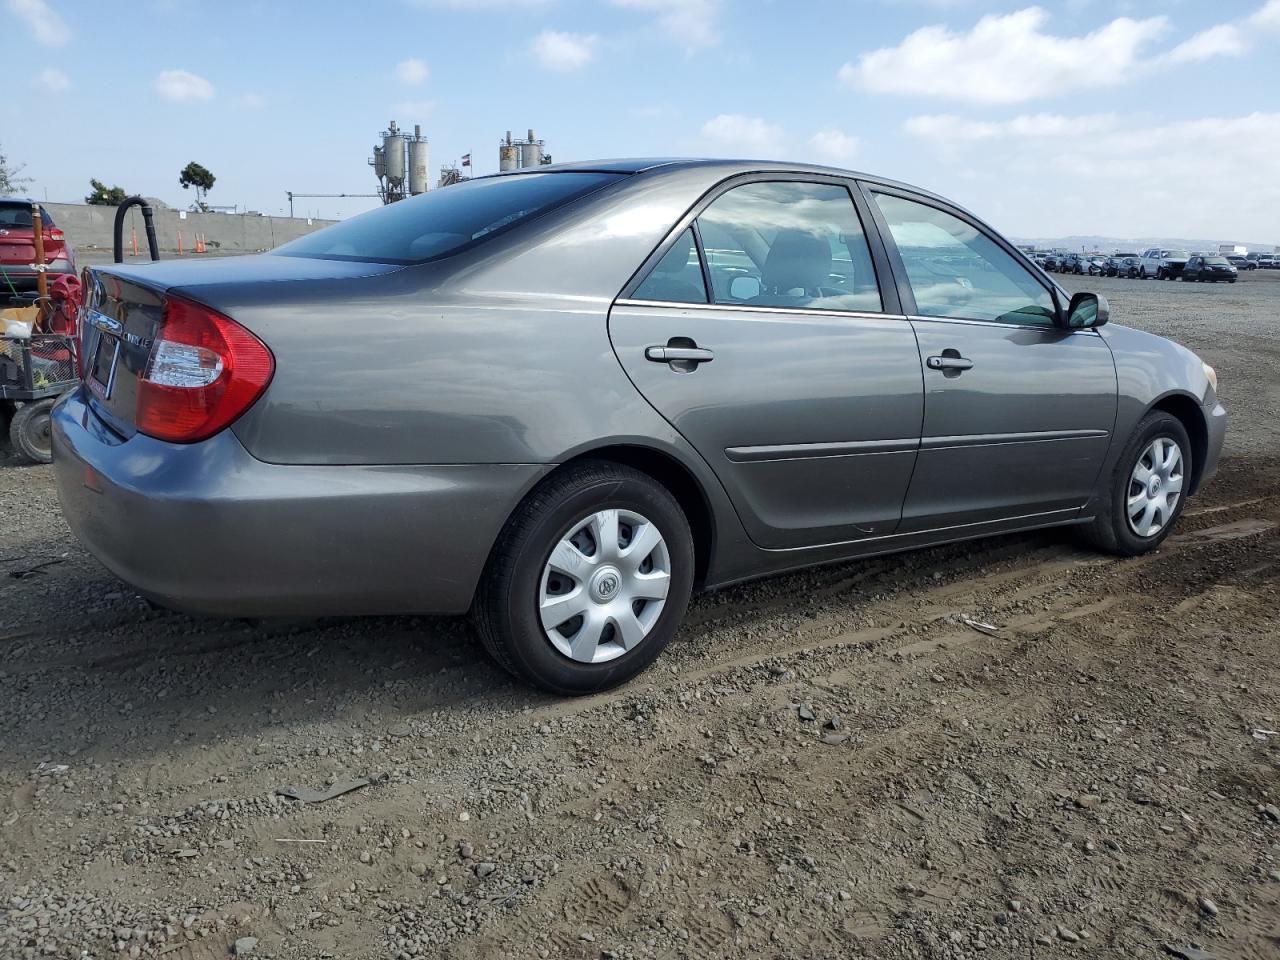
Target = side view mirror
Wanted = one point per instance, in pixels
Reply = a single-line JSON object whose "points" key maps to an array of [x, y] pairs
{"points": [[1087, 310], [744, 288]]}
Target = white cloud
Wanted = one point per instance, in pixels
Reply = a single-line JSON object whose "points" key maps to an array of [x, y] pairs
{"points": [[1268, 15], [414, 110], [740, 136], [1005, 59], [54, 80], [1223, 40], [1233, 39], [1010, 161], [834, 146], [412, 72], [564, 52], [43, 21], [179, 85], [691, 23]]}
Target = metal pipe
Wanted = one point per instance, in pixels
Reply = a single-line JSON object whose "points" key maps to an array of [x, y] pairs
{"points": [[42, 281]]}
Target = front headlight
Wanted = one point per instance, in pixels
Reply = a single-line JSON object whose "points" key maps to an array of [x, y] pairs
{"points": [[1211, 375]]}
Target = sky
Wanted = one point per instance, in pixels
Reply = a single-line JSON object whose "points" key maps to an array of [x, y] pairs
{"points": [[1072, 117]]}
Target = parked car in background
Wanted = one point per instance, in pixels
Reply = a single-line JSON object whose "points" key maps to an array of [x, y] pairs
{"points": [[1129, 267], [18, 246], [1209, 267], [1268, 261], [1241, 262], [1163, 264], [1097, 266], [581, 391], [1052, 262], [1073, 263]]}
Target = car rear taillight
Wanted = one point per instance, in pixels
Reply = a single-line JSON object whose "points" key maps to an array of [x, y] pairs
{"points": [[204, 371], [55, 234]]}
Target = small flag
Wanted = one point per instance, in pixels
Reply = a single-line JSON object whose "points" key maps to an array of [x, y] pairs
{"points": [[466, 159]]}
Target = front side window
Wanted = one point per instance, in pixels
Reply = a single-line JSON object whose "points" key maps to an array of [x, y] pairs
{"points": [[788, 244], [677, 277], [442, 222], [956, 270]]}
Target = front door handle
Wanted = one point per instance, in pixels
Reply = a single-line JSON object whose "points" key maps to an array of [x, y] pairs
{"points": [[949, 363], [677, 354]]}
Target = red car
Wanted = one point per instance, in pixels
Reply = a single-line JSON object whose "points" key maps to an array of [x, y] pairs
{"points": [[18, 251]]}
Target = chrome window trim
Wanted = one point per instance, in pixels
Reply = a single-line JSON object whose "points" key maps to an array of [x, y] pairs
{"points": [[1051, 328], [744, 308]]}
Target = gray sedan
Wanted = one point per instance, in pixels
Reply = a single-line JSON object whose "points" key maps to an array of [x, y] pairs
{"points": [[563, 400]]}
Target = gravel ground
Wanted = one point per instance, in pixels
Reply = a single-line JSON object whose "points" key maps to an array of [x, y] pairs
{"points": [[825, 764]]}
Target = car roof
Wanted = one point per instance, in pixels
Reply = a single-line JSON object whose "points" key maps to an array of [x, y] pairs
{"points": [[728, 167]]}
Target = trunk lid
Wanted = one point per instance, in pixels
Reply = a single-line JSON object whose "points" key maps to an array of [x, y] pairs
{"points": [[123, 308]]}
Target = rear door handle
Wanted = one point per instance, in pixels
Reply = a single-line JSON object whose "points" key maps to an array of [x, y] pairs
{"points": [[949, 363], [672, 354]]}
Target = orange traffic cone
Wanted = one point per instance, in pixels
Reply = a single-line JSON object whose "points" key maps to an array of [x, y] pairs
{"points": [[134, 241], [200, 247], [179, 243]]}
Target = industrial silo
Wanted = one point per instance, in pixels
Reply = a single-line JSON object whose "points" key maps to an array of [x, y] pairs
{"points": [[418, 157], [393, 156], [531, 152], [508, 154]]}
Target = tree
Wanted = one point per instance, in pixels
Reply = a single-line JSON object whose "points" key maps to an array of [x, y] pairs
{"points": [[101, 195], [194, 175], [9, 179]]}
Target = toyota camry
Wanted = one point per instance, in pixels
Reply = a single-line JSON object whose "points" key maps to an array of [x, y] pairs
{"points": [[564, 399]]}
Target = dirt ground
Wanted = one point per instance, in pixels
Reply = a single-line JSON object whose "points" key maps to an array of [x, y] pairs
{"points": [[827, 764]]}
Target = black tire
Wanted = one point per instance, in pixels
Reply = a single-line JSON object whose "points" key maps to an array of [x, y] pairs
{"points": [[1109, 531], [505, 610], [30, 431], [1161, 274]]}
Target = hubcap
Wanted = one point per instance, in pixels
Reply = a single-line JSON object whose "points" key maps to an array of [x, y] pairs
{"points": [[1155, 485], [604, 586]]}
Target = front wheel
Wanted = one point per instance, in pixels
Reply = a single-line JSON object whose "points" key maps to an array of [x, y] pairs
{"points": [[588, 581], [1145, 493]]}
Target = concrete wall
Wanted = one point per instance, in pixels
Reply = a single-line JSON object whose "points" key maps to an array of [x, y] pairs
{"points": [[87, 226]]}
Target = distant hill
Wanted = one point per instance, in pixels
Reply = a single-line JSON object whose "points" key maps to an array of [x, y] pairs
{"points": [[1138, 244]]}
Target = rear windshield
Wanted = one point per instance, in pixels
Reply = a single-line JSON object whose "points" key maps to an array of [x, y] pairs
{"points": [[1216, 261], [1177, 254], [444, 221], [16, 213]]}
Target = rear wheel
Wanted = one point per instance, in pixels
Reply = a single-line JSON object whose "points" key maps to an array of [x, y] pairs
{"points": [[1145, 493], [589, 580], [31, 433]]}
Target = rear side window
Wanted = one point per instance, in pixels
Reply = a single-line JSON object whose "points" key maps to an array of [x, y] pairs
{"points": [[956, 270], [677, 277], [788, 244], [445, 221]]}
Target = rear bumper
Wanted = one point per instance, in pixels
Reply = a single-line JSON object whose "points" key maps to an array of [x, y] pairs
{"points": [[26, 277], [207, 528]]}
